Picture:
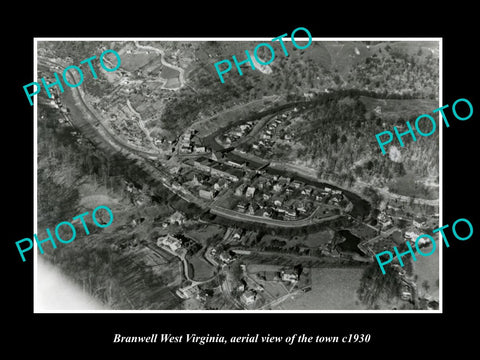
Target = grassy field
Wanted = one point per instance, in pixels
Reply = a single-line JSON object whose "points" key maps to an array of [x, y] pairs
{"points": [[400, 109], [204, 233], [169, 73], [428, 270], [132, 62], [202, 270], [316, 239], [172, 83], [332, 289]]}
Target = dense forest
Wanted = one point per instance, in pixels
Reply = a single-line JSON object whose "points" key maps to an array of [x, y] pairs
{"points": [[71, 168], [377, 289]]}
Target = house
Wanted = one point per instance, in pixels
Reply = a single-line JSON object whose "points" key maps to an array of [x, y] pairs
{"points": [[248, 297], [406, 296], [410, 235], [169, 241], [291, 277], [187, 292], [297, 184], [177, 217], [250, 192], [226, 258], [206, 194], [239, 190], [419, 222], [384, 220], [301, 208], [241, 206], [199, 149], [307, 191], [277, 187], [290, 215], [252, 208]]}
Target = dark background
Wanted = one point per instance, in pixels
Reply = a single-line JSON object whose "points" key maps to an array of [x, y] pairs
{"points": [[92, 334]]}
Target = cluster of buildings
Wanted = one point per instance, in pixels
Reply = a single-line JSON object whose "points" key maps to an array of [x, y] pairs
{"points": [[187, 144], [236, 133], [385, 221], [218, 169], [267, 137], [213, 176], [274, 196], [220, 257]]}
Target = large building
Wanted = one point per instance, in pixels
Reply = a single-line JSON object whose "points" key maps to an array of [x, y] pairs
{"points": [[218, 169], [169, 241]]}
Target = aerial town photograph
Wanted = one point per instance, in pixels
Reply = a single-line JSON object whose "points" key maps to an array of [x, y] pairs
{"points": [[267, 191]]}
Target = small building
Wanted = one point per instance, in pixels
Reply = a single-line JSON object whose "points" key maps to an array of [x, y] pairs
{"points": [[301, 208], [248, 297], [296, 184], [290, 215], [199, 149], [242, 206], [187, 292], [225, 257], [291, 277], [206, 194], [410, 235], [406, 296], [250, 192], [384, 220], [252, 208], [419, 222]]}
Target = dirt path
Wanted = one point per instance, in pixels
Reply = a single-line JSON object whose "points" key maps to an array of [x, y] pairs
{"points": [[162, 53]]}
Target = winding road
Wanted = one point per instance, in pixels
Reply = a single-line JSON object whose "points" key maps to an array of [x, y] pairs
{"points": [[162, 53]]}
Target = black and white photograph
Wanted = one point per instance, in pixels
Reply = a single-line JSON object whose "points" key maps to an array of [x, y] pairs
{"points": [[285, 185]]}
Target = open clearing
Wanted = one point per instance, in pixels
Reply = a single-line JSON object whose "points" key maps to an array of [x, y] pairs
{"points": [[332, 289]]}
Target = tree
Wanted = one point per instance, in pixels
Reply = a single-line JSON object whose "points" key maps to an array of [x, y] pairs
{"points": [[425, 286], [333, 138]]}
